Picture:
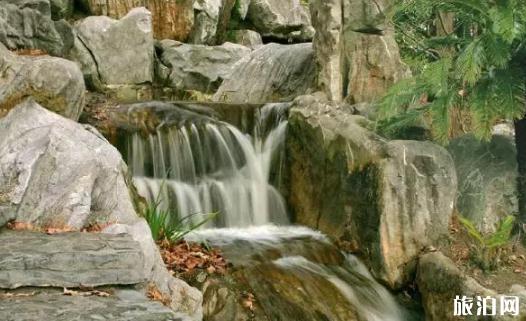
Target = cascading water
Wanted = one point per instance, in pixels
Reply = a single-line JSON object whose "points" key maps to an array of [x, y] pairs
{"points": [[202, 166], [211, 166], [298, 274]]}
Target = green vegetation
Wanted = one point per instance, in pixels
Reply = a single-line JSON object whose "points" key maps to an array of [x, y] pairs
{"points": [[487, 248], [166, 224], [467, 57]]}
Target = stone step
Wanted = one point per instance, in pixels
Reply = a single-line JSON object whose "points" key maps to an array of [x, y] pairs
{"points": [[68, 260], [122, 305]]}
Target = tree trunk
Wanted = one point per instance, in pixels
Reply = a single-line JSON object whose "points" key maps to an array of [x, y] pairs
{"points": [[520, 141]]}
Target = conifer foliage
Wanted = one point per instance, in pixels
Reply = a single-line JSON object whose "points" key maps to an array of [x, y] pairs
{"points": [[477, 70], [482, 73]]}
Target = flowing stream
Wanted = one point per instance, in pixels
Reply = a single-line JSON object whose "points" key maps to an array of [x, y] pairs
{"points": [[295, 273]]}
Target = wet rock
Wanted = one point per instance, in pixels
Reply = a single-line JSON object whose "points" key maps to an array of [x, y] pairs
{"points": [[248, 38], [68, 260], [116, 52], [290, 273], [55, 83], [124, 305], [487, 177], [58, 173], [356, 53], [172, 19], [27, 24], [199, 67], [272, 73], [286, 19], [388, 198], [440, 282]]}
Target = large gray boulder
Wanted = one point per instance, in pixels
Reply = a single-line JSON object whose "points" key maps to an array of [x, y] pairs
{"points": [[27, 24], [487, 179], [286, 19], [116, 52], [198, 67], [387, 199], [272, 73], [356, 54], [55, 83], [57, 173]]}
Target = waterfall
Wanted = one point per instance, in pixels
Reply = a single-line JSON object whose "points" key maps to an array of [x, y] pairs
{"points": [[210, 166]]}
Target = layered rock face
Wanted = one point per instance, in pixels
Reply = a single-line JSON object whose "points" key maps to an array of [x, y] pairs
{"points": [[27, 24], [55, 83], [387, 199], [271, 73], [116, 52], [56, 173], [356, 54]]}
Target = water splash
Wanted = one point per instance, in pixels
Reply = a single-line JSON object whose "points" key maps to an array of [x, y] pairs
{"points": [[211, 166]]}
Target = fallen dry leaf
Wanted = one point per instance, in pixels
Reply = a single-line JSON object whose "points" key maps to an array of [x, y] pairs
{"points": [[97, 227], [58, 230], [248, 301], [154, 294], [186, 258], [20, 226]]}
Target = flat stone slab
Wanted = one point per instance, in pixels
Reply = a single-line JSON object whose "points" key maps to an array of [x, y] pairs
{"points": [[68, 260], [123, 305]]}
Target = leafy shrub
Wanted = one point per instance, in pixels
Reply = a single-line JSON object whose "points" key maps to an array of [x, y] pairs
{"points": [[487, 248]]}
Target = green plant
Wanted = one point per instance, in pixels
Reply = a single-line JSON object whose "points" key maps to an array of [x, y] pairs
{"points": [[180, 228], [156, 217], [467, 79], [165, 224], [487, 248]]}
